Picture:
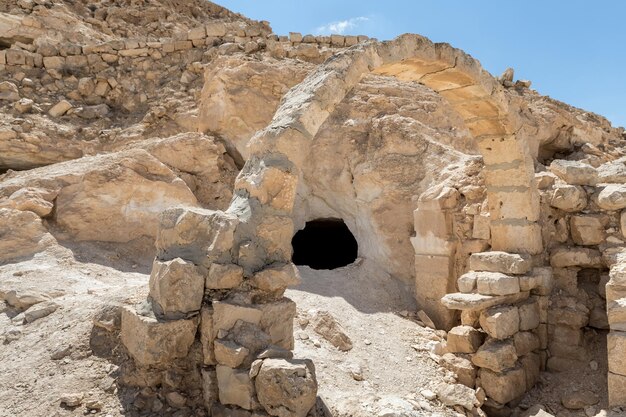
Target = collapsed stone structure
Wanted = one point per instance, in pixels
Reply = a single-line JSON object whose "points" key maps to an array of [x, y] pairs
{"points": [[515, 222]]}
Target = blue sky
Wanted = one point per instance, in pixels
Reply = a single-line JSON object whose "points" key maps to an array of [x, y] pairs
{"points": [[574, 50]]}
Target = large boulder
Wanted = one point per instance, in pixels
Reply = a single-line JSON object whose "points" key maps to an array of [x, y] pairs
{"points": [[200, 160], [113, 197], [23, 235]]}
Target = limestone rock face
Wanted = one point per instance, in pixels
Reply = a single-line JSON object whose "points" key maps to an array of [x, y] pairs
{"points": [[199, 160], [383, 157], [240, 96], [113, 197], [286, 388]]}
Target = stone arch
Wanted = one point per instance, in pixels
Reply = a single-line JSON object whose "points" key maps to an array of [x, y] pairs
{"points": [[242, 257], [473, 93]]}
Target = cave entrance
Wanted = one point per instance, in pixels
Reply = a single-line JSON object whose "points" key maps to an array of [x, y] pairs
{"points": [[324, 244]]}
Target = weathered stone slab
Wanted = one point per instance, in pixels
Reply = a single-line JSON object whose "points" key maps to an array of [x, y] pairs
{"points": [[574, 172], [460, 301], [498, 261]]}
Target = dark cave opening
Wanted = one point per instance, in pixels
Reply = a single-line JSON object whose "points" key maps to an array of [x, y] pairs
{"points": [[324, 244]]}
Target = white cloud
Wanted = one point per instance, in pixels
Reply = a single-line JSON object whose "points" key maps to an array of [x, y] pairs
{"points": [[340, 27]]}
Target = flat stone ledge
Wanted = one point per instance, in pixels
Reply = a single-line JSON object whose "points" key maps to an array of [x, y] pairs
{"points": [[460, 301]]}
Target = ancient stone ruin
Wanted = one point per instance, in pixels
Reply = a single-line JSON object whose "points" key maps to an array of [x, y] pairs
{"points": [[236, 159]]}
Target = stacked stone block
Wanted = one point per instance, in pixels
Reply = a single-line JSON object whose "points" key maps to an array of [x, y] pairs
{"points": [[435, 249], [504, 324], [616, 342], [586, 199], [235, 314]]}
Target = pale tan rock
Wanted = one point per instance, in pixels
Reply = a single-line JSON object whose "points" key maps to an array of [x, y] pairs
{"points": [[616, 346], [198, 235], [203, 158], [23, 300], [612, 172], [60, 108], [215, 29], [467, 282], [460, 301], [574, 172], [612, 197], [588, 229], [9, 91], [461, 366], [286, 388], [500, 322], [529, 314], [39, 311], [582, 257], [496, 261], [503, 387], [272, 185], [276, 277], [235, 387], [226, 314], [277, 320], [329, 328], [37, 200], [496, 355], [496, 283], [616, 389], [275, 234], [224, 276], [240, 96], [229, 353], [23, 235], [545, 180], [456, 394], [152, 342], [570, 198], [176, 288], [464, 339], [617, 314]]}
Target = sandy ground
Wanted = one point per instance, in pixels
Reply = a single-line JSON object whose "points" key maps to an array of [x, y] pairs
{"points": [[61, 354]]}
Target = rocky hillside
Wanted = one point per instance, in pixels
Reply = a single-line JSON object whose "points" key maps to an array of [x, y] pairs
{"points": [[113, 111]]}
